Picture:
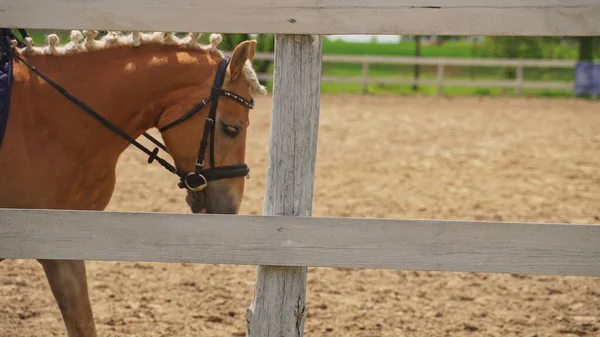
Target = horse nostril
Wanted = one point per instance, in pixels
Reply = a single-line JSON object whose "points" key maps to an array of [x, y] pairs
{"points": [[195, 202]]}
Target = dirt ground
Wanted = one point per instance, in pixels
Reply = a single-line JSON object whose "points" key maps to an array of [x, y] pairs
{"points": [[387, 157]]}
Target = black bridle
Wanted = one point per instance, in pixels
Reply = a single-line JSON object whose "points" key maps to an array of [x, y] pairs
{"points": [[197, 180], [193, 181]]}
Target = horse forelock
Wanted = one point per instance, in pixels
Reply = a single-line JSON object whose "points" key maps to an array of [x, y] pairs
{"points": [[87, 41]]}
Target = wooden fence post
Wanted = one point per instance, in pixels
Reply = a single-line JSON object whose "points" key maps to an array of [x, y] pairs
{"points": [[519, 79], [365, 76], [440, 77], [278, 307]]}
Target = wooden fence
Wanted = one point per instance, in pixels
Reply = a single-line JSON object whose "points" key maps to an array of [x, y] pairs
{"points": [[518, 83], [286, 239]]}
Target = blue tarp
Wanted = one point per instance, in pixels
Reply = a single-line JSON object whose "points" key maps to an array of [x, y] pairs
{"points": [[587, 78]]}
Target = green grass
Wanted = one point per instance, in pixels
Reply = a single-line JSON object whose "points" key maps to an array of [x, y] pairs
{"points": [[400, 89], [449, 49], [460, 49], [454, 72]]}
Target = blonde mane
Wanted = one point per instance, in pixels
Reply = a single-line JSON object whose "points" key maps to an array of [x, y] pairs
{"points": [[87, 42]]}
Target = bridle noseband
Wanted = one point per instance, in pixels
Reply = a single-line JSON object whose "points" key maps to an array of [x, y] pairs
{"points": [[193, 181]]}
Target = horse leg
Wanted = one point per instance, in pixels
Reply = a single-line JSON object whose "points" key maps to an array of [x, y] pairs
{"points": [[68, 282]]}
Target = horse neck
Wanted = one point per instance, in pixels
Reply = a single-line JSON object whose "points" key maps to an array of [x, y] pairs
{"points": [[128, 87]]}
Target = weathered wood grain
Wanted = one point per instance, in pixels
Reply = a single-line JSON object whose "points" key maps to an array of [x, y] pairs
{"points": [[408, 17], [280, 294], [504, 247]]}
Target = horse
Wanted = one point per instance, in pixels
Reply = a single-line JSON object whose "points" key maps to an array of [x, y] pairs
{"points": [[75, 108]]}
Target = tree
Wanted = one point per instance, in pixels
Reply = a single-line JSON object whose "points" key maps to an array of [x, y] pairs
{"points": [[587, 48], [513, 47], [415, 86]]}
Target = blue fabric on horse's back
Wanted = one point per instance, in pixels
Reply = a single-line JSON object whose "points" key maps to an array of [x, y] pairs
{"points": [[6, 65], [587, 78]]}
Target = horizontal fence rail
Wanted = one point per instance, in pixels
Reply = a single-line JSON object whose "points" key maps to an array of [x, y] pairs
{"points": [[532, 248], [451, 61], [440, 62], [407, 17]]}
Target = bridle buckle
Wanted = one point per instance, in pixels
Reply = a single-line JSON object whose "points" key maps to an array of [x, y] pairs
{"points": [[202, 183]]}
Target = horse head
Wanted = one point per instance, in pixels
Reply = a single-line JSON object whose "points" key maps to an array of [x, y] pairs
{"points": [[210, 145]]}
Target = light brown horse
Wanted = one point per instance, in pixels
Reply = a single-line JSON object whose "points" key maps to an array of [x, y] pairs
{"points": [[56, 156]]}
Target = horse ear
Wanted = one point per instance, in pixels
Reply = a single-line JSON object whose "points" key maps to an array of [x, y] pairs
{"points": [[244, 51]]}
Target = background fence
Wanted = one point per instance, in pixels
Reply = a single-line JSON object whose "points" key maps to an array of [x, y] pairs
{"points": [[441, 63]]}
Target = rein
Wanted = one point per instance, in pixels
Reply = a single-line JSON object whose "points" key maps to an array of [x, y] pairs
{"points": [[193, 181]]}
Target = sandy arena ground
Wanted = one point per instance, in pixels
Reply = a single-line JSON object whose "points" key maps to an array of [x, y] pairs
{"points": [[387, 157]]}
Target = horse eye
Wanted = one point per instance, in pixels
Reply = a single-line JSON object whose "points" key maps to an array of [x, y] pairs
{"points": [[230, 130]]}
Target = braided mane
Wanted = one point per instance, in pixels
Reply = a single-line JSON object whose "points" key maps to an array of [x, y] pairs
{"points": [[87, 41]]}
